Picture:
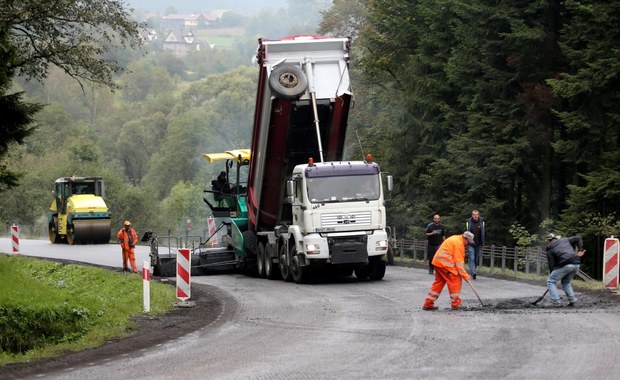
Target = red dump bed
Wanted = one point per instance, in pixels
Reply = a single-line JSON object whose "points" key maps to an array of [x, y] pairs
{"points": [[284, 133]]}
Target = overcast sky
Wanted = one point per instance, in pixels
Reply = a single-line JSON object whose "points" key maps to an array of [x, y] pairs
{"points": [[192, 6]]}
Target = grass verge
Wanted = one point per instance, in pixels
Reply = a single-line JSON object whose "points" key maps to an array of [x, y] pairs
{"points": [[49, 308]]}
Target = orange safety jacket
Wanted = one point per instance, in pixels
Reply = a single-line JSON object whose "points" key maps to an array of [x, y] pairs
{"points": [[123, 237], [451, 256]]}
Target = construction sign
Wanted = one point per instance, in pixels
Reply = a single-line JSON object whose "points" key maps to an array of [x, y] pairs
{"points": [[184, 270], [610, 263], [212, 231]]}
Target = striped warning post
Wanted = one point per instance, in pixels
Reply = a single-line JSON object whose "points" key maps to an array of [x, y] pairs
{"points": [[146, 285], [212, 230], [610, 263], [15, 238], [184, 269]]}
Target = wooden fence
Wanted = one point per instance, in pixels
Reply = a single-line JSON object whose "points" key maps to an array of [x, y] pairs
{"points": [[526, 260], [530, 260]]}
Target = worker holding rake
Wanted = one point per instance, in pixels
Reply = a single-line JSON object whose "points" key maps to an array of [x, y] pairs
{"points": [[449, 263], [564, 263]]}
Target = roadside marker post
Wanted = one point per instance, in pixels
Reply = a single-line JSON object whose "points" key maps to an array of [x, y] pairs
{"points": [[15, 238], [212, 231], [611, 254], [184, 271], [146, 285]]}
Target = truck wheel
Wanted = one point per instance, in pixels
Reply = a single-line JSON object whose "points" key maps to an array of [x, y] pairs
{"points": [[376, 269], [288, 82], [260, 259], [53, 231], [390, 255], [249, 265], [285, 270], [298, 273], [271, 269], [362, 272]]}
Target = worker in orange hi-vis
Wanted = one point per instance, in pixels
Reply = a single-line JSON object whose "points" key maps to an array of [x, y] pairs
{"points": [[449, 263], [128, 238]]}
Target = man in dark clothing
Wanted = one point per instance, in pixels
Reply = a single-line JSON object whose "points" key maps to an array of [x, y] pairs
{"points": [[436, 234], [475, 225], [563, 264], [221, 184]]}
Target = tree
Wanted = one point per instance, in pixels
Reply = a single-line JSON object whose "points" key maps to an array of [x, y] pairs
{"points": [[75, 36], [16, 114]]}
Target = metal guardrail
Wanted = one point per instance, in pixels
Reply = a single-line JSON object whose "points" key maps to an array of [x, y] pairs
{"points": [[517, 259]]}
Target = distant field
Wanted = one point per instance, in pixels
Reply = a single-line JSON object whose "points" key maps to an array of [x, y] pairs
{"points": [[220, 42], [220, 37]]}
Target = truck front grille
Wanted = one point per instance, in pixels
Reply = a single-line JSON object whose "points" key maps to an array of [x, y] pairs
{"points": [[362, 218]]}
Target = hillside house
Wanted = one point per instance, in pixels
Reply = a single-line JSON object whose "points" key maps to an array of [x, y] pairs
{"points": [[181, 43]]}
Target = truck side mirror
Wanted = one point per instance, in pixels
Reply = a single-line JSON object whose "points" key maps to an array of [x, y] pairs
{"points": [[290, 192], [390, 187], [290, 188]]}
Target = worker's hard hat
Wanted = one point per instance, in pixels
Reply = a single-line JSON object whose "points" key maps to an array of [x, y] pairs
{"points": [[551, 236], [469, 236], [127, 223]]}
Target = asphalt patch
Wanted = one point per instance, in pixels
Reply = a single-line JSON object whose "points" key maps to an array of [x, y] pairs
{"points": [[584, 302]]}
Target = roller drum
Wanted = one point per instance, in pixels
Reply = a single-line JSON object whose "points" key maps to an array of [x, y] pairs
{"points": [[90, 231]]}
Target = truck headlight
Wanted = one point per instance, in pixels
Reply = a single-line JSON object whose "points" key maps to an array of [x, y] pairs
{"points": [[382, 245], [313, 249]]}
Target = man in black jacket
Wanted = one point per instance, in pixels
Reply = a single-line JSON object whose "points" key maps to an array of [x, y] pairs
{"points": [[563, 264], [436, 234]]}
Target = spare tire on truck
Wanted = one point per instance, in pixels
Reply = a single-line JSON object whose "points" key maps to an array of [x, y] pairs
{"points": [[288, 82]]}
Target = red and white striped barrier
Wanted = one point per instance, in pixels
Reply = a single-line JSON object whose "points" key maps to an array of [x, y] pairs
{"points": [[610, 263], [212, 230], [146, 285], [15, 238], [184, 270]]}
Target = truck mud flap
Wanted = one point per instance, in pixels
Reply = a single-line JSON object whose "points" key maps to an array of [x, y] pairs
{"points": [[348, 253]]}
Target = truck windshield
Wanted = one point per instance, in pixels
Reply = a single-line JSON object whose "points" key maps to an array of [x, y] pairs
{"points": [[343, 188]]}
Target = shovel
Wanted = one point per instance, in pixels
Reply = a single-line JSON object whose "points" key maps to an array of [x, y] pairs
{"points": [[540, 298], [475, 292]]}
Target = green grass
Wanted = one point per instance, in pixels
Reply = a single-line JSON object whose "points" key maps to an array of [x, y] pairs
{"points": [[49, 308]]}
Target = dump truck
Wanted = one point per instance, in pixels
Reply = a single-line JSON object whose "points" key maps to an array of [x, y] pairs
{"points": [[308, 208], [78, 214], [302, 208]]}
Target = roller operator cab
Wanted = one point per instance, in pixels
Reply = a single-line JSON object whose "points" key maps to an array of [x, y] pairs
{"points": [[78, 214]]}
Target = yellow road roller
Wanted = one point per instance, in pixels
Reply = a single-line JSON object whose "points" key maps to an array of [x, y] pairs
{"points": [[78, 214]]}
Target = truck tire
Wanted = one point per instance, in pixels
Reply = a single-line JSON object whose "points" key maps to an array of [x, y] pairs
{"points": [[271, 269], [390, 255], [250, 249], [298, 273], [288, 82], [362, 272], [53, 231], [376, 268], [260, 259], [285, 270]]}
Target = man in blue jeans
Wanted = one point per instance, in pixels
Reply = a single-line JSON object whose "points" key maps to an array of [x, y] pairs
{"points": [[475, 225], [564, 263]]}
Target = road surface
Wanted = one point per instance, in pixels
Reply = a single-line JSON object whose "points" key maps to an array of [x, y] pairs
{"points": [[335, 329]]}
